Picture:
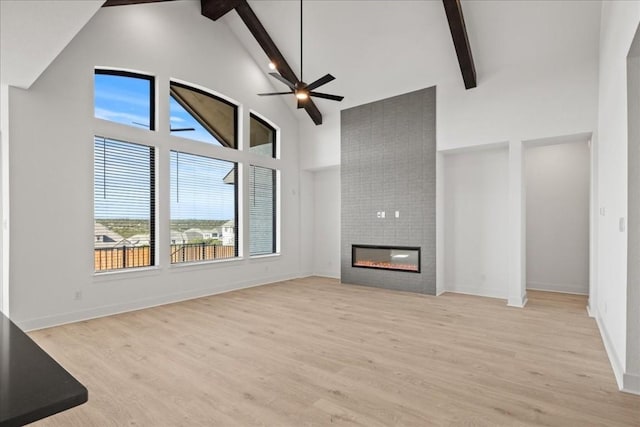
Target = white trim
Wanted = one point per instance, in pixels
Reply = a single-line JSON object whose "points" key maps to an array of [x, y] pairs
{"points": [[631, 384], [113, 309], [325, 274], [518, 302], [474, 290], [590, 312], [4, 200], [558, 288], [440, 224], [614, 360]]}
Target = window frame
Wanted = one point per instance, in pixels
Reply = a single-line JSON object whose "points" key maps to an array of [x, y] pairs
{"points": [[153, 182], [236, 195], [275, 182], [212, 94], [159, 139], [276, 134], [132, 74]]}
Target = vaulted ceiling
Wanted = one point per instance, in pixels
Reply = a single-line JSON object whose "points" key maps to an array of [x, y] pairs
{"points": [[375, 49]]}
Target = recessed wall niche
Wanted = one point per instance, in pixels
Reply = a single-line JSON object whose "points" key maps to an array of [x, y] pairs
{"points": [[388, 187]]}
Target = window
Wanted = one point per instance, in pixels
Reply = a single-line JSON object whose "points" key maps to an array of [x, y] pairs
{"points": [[124, 205], [262, 210], [198, 115], [262, 138], [203, 208], [124, 97]]}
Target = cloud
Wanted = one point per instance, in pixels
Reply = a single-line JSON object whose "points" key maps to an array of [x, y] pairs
{"points": [[120, 117]]}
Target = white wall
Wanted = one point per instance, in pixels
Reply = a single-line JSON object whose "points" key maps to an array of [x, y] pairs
{"points": [[476, 195], [326, 254], [4, 199], [557, 217], [307, 223], [514, 104], [620, 20], [51, 157]]}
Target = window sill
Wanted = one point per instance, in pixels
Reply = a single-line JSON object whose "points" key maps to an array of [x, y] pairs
{"points": [[267, 256], [204, 264], [128, 272]]}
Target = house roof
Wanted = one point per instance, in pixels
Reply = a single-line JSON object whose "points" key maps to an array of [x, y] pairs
{"points": [[101, 230]]}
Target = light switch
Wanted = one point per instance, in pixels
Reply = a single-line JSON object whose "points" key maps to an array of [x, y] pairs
{"points": [[382, 214], [397, 214], [622, 225]]}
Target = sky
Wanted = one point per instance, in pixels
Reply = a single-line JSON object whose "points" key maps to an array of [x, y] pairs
{"points": [[197, 187]]}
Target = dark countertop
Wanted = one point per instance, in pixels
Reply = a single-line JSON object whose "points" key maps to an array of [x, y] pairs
{"points": [[32, 384]]}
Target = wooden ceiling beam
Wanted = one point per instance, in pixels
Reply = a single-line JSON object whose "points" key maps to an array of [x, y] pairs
{"points": [[216, 7], [453, 9], [127, 2]]}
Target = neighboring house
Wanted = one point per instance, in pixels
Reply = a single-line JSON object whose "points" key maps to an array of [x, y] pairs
{"points": [[211, 234], [193, 234], [228, 233], [104, 237], [139, 240], [178, 237]]}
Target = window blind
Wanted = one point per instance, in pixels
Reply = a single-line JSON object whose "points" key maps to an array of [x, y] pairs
{"points": [[262, 210], [203, 208], [124, 204]]}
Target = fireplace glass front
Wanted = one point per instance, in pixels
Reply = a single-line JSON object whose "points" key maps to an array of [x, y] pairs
{"points": [[396, 258]]}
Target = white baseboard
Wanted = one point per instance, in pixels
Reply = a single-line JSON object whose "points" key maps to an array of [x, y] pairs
{"points": [[112, 309], [517, 302], [614, 360], [631, 384], [474, 290], [330, 275], [564, 288], [590, 312]]}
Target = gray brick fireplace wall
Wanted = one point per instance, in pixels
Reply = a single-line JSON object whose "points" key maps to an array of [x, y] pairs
{"points": [[388, 163]]}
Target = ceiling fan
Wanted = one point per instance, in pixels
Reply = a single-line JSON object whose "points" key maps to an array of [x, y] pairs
{"points": [[300, 89]]}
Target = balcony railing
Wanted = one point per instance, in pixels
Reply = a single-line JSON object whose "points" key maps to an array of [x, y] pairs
{"points": [[139, 256], [189, 252]]}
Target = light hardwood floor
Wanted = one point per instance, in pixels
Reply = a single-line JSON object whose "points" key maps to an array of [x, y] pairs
{"points": [[313, 352]]}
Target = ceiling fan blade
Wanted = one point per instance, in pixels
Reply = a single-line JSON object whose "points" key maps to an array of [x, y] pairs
{"points": [[326, 96], [321, 81], [283, 80], [274, 93]]}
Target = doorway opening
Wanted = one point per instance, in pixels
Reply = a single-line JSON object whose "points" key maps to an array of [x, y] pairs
{"points": [[557, 179]]}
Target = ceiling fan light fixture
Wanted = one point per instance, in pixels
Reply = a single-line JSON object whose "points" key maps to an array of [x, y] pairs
{"points": [[301, 90]]}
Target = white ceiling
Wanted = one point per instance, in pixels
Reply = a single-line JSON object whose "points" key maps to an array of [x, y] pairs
{"points": [[34, 32], [375, 49]]}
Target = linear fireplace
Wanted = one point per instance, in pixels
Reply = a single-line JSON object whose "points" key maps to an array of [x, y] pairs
{"points": [[395, 258]]}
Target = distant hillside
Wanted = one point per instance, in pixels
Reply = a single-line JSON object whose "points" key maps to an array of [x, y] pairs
{"points": [[203, 224], [130, 227]]}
